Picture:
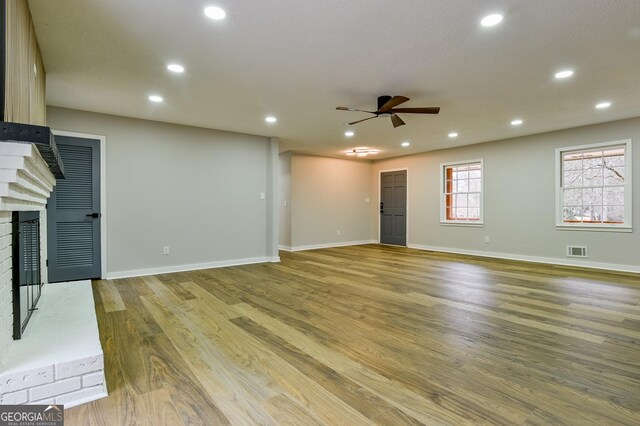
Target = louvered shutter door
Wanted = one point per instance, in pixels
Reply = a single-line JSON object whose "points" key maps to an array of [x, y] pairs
{"points": [[75, 191], [74, 236]]}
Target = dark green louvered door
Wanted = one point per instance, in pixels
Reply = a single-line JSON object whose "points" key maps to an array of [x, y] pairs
{"points": [[73, 213]]}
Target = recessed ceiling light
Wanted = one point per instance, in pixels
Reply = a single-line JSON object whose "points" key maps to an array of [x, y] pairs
{"points": [[349, 133], [603, 105], [491, 20], [453, 135], [405, 144], [270, 119], [175, 68], [564, 74], [155, 98], [516, 122], [215, 13]]}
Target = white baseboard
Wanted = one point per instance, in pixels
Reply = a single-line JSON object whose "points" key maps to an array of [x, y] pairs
{"points": [[329, 245], [284, 248], [191, 267], [536, 259]]}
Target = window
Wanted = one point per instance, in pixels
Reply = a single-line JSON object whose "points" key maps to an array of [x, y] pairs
{"points": [[595, 186], [461, 201]]}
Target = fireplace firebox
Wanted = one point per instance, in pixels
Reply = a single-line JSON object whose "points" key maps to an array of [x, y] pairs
{"points": [[27, 280]]}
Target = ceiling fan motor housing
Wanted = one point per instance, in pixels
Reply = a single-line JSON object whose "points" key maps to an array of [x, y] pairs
{"points": [[383, 100]]}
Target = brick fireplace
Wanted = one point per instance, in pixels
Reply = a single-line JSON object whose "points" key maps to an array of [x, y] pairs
{"points": [[57, 357]]}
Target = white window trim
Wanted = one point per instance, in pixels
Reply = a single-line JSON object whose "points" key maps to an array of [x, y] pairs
{"points": [[628, 202], [443, 198]]}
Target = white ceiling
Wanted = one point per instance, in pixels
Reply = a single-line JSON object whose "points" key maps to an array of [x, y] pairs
{"points": [[298, 60]]}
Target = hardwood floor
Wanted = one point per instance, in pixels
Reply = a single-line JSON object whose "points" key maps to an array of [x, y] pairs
{"points": [[370, 335]]}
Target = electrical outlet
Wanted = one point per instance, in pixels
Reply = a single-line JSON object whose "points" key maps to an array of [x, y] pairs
{"points": [[165, 250], [262, 195], [367, 199], [338, 233], [486, 240]]}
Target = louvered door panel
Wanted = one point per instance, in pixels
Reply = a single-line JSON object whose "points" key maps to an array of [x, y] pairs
{"points": [[75, 244], [76, 190], [74, 235]]}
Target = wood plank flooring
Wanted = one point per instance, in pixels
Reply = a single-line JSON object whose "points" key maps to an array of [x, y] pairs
{"points": [[370, 335]]}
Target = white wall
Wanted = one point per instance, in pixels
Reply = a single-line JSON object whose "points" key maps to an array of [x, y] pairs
{"points": [[285, 200], [194, 190], [327, 196], [519, 199]]}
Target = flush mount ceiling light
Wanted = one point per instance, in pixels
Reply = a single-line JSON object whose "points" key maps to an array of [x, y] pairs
{"points": [[560, 75], [453, 135], [361, 152], [175, 68], [349, 133], [405, 144], [215, 13], [155, 98], [603, 105], [270, 119], [491, 20], [516, 122]]}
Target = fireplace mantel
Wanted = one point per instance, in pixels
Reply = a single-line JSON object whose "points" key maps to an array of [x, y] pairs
{"points": [[41, 137], [29, 166], [26, 181]]}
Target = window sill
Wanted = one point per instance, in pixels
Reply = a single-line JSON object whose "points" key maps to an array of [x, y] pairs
{"points": [[464, 224], [593, 228]]}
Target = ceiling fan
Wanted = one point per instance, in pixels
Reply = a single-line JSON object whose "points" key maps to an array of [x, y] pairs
{"points": [[387, 107]]}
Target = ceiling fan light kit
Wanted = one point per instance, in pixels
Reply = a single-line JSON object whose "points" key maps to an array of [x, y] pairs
{"points": [[387, 107], [361, 152]]}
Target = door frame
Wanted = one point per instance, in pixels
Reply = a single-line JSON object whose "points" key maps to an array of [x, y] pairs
{"points": [[103, 192], [379, 196]]}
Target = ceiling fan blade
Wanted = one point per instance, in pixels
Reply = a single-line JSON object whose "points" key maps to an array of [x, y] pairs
{"points": [[353, 109], [397, 121], [423, 110], [360, 121], [395, 101]]}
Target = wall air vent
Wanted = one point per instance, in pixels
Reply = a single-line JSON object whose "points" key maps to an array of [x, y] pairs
{"points": [[576, 251]]}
